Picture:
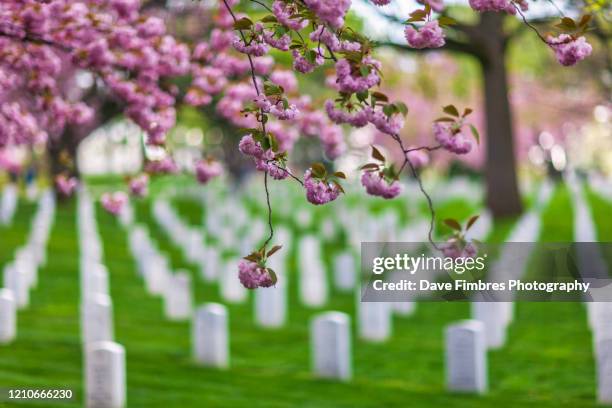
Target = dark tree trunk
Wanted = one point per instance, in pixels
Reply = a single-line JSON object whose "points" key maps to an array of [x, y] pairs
{"points": [[62, 154], [503, 197]]}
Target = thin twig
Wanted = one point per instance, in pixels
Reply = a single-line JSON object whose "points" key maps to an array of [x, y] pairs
{"points": [[415, 174], [530, 25]]}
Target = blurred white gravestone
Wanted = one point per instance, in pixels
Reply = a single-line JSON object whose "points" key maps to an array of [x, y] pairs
{"points": [[271, 305], [210, 335], [405, 308], [210, 264], [495, 318], [344, 271], [8, 316], [375, 323], [105, 375], [97, 318], [8, 204], [177, 300], [231, 289], [17, 281], [95, 280], [604, 371], [466, 357], [312, 278], [331, 346]]}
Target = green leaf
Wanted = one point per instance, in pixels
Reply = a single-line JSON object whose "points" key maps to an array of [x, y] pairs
{"points": [[340, 174], [243, 24], [364, 70], [417, 15], [451, 110], [273, 142], [471, 222], [269, 19], [584, 20], [370, 167], [452, 224], [475, 133], [273, 275], [379, 96], [274, 250], [389, 109], [376, 154], [362, 96], [335, 182], [446, 21], [402, 108], [318, 170]]}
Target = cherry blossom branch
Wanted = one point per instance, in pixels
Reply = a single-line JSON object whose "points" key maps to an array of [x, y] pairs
{"points": [[260, 119], [416, 175]]}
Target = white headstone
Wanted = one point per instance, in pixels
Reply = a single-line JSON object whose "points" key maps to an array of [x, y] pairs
{"points": [[466, 357], [604, 371], [105, 375], [405, 308], [97, 318], [210, 264], [17, 281], [494, 316], [312, 277], [210, 335], [231, 289], [8, 316], [375, 323], [95, 280], [177, 300], [344, 271], [331, 346], [271, 304]]}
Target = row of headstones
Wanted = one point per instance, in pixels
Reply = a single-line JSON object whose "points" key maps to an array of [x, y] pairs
{"points": [[21, 275], [104, 359], [599, 313], [8, 203], [155, 270]]}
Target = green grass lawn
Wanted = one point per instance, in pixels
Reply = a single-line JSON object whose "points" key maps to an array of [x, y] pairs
{"points": [[547, 360]]}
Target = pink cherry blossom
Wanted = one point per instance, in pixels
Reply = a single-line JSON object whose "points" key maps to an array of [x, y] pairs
{"points": [[569, 50], [430, 35], [114, 202], [319, 191], [206, 170], [453, 141], [377, 185], [253, 276], [139, 185], [66, 185]]}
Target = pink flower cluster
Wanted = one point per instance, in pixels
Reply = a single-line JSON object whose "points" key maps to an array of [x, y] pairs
{"points": [[139, 185], [319, 191], [301, 63], [418, 158], [377, 185], [390, 125], [162, 166], [453, 248], [499, 5], [206, 170], [264, 160], [114, 202], [351, 80], [331, 12], [430, 35], [453, 141], [327, 37], [284, 12], [569, 50], [253, 276], [66, 185], [436, 5], [276, 108]]}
